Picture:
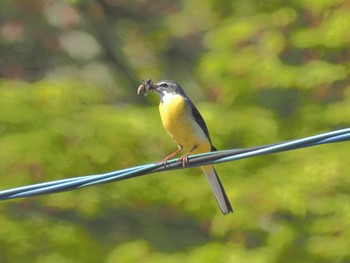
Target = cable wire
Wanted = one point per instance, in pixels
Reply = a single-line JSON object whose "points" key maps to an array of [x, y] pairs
{"points": [[194, 160]]}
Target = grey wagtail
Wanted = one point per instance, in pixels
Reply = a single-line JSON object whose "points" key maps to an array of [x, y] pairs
{"points": [[186, 126]]}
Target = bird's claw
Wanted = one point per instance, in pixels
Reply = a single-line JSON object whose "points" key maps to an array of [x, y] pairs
{"points": [[184, 160]]}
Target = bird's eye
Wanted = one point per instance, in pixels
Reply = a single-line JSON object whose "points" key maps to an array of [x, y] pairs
{"points": [[164, 84]]}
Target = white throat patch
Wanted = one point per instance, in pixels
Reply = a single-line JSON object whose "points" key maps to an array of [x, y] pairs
{"points": [[169, 96]]}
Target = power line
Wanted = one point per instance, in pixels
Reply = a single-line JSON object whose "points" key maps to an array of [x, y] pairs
{"points": [[194, 160]]}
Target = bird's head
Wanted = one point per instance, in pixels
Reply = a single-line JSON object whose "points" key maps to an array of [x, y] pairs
{"points": [[163, 87]]}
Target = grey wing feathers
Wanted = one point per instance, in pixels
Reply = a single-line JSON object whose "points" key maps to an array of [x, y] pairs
{"points": [[199, 119]]}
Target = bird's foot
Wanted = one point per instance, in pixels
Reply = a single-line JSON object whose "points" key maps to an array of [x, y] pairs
{"points": [[166, 159], [184, 160]]}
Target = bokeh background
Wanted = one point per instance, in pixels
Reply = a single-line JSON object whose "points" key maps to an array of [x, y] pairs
{"points": [[259, 71]]}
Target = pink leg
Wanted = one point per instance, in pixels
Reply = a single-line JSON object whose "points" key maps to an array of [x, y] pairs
{"points": [[184, 158], [166, 159]]}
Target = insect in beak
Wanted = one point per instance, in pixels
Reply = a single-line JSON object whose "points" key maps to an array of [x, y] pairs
{"points": [[145, 87]]}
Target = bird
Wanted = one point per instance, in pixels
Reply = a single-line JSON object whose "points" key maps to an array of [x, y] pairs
{"points": [[184, 123]]}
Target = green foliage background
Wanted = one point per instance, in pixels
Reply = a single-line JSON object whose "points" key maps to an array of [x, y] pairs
{"points": [[260, 72]]}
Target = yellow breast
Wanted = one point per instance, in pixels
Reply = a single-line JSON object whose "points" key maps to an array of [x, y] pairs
{"points": [[178, 121], [172, 111]]}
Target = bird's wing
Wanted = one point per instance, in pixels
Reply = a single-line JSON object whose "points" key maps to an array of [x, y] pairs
{"points": [[199, 119]]}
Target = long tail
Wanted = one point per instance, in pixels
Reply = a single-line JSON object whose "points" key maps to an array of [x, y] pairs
{"points": [[218, 189]]}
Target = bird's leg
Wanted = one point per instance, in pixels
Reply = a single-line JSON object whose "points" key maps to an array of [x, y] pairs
{"points": [[184, 158], [166, 159]]}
